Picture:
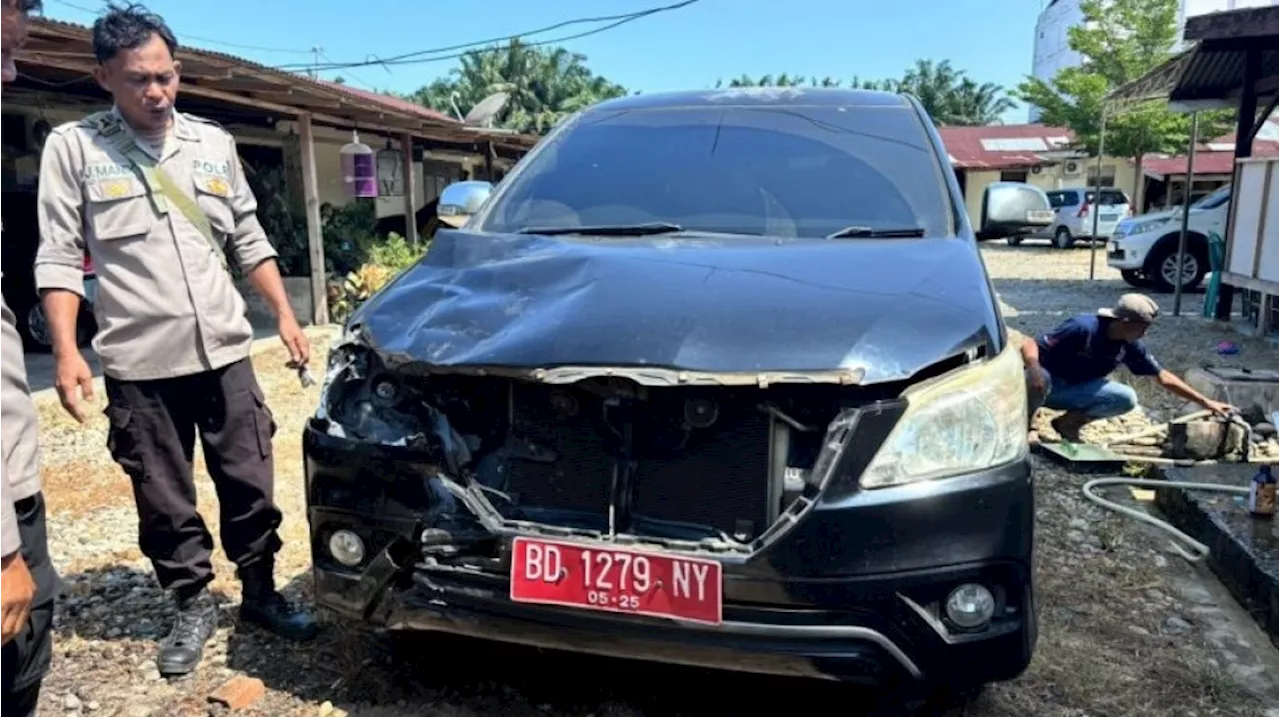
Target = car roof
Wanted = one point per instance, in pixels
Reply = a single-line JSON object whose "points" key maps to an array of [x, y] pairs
{"points": [[755, 96]]}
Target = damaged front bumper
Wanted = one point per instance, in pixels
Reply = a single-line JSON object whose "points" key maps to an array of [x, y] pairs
{"points": [[796, 604]]}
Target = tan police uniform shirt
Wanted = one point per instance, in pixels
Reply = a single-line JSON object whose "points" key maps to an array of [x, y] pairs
{"points": [[19, 432], [166, 306]]}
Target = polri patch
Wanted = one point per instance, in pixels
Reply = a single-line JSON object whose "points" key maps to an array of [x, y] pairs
{"points": [[213, 176]]}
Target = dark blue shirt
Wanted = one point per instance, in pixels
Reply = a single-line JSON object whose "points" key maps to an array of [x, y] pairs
{"points": [[1079, 351]]}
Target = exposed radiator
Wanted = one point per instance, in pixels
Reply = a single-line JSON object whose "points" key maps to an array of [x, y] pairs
{"points": [[720, 478]]}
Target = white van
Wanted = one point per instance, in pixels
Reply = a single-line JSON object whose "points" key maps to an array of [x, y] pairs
{"points": [[1145, 248]]}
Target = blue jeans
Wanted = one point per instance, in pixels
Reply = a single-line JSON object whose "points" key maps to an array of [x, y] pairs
{"points": [[1099, 398]]}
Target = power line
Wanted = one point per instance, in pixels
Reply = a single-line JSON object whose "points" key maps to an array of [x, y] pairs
{"points": [[197, 38], [416, 57]]}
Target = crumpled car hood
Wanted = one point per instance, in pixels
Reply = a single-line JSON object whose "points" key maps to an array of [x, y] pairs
{"points": [[889, 307]]}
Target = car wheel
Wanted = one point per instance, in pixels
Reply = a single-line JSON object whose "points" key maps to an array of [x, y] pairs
{"points": [[1163, 272], [1014, 239], [37, 336], [1062, 238], [36, 330], [1134, 278]]}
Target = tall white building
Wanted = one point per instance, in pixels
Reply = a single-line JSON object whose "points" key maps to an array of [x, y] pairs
{"points": [[1052, 53]]}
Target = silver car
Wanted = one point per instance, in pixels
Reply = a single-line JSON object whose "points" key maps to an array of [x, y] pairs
{"points": [[1073, 209]]}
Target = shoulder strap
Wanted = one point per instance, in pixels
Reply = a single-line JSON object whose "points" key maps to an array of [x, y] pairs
{"points": [[160, 183]]}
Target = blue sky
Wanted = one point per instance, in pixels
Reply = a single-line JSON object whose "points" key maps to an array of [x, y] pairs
{"points": [[685, 48]]}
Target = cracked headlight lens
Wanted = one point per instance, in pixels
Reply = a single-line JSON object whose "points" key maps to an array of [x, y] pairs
{"points": [[965, 421]]}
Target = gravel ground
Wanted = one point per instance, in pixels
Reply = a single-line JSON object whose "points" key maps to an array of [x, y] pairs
{"points": [[1126, 628]]}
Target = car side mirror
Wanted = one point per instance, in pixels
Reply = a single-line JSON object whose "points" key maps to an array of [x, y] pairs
{"points": [[460, 200], [1013, 208]]}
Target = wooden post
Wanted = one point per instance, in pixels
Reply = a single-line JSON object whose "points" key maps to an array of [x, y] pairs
{"points": [[410, 190], [315, 238]]}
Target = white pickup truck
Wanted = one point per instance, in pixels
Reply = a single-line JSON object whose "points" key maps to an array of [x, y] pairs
{"points": [[1145, 248]]}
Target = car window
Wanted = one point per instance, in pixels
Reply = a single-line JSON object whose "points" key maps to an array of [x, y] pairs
{"points": [[1215, 199], [1110, 197], [1062, 199], [1114, 197], [793, 171]]}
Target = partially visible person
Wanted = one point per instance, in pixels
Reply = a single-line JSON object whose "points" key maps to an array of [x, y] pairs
{"points": [[160, 201], [1067, 369], [28, 581]]}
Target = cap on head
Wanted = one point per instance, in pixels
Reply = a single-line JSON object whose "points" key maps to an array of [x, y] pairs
{"points": [[1139, 308]]}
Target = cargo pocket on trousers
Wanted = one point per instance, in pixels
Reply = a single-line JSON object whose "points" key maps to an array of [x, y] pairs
{"points": [[121, 443], [264, 422]]}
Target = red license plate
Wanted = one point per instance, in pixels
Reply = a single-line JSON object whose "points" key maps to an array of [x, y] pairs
{"points": [[598, 577]]}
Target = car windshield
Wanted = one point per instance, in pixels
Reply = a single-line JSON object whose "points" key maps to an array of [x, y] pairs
{"points": [[1210, 201], [793, 171]]}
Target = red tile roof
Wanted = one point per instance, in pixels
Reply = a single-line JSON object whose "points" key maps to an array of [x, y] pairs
{"points": [[1208, 161], [983, 148]]}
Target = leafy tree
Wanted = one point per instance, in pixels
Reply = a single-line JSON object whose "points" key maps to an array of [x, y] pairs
{"points": [[950, 97], [543, 84], [1119, 41]]}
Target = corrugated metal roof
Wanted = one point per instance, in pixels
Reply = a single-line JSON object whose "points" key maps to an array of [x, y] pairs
{"points": [[347, 100], [1002, 146]]}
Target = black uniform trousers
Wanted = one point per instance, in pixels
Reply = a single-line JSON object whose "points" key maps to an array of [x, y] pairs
{"points": [[26, 658], [152, 437]]}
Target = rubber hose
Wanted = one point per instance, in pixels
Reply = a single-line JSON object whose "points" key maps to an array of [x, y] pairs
{"points": [[1201, 550]]}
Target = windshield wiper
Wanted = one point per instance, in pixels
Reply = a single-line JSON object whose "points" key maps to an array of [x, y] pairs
{"points": [[609, 230], [863, 231]]}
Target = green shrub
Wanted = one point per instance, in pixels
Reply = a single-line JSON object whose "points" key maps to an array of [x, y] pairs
{"points": [[386, 260]]}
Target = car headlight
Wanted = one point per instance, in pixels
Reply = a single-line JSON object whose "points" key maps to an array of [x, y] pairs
{"points": [[1141, 227], [967, 420]]}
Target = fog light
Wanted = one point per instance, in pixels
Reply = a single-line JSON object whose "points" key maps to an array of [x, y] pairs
{"points": [[970, 606], [346, 547]]}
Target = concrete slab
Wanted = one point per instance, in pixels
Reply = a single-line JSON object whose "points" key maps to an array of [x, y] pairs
{"points": [[1243, 549], [1256, 393]]}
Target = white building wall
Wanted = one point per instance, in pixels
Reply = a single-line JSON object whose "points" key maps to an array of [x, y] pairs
{"points": [[1051, 52]]}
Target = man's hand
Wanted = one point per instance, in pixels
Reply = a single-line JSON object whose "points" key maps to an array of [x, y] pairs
{"points": [[1218, 407], [16, 592], [296, 341], [73, 373]]}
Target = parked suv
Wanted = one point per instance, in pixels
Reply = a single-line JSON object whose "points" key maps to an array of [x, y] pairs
{"points": [[714, 378], [1145, 248], [1073, 216]]}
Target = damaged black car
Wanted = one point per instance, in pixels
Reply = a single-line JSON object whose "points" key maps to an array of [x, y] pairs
{"points": [[714, 378]]}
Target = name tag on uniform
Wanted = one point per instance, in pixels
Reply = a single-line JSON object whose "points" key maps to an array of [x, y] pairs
{"points": [[213, 176], [108, 181]]}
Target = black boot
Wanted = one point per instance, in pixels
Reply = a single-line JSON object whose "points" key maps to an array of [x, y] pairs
{"points": [[266, 608], [183, 648]]}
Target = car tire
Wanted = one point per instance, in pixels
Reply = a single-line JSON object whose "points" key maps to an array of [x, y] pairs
{"points": [[1014, 239], [1062, 238], [1134, 278], [1162, 268], [34, 328]]}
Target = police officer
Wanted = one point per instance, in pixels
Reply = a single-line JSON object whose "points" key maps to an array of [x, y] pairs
{"points": [[29, 582], [160, 201]]}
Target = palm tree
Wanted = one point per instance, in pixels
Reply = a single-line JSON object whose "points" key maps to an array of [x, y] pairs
{"points": [[949, 96], [543, 85]]}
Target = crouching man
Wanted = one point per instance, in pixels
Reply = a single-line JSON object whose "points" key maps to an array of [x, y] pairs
{"points": [[1067, 369]]}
